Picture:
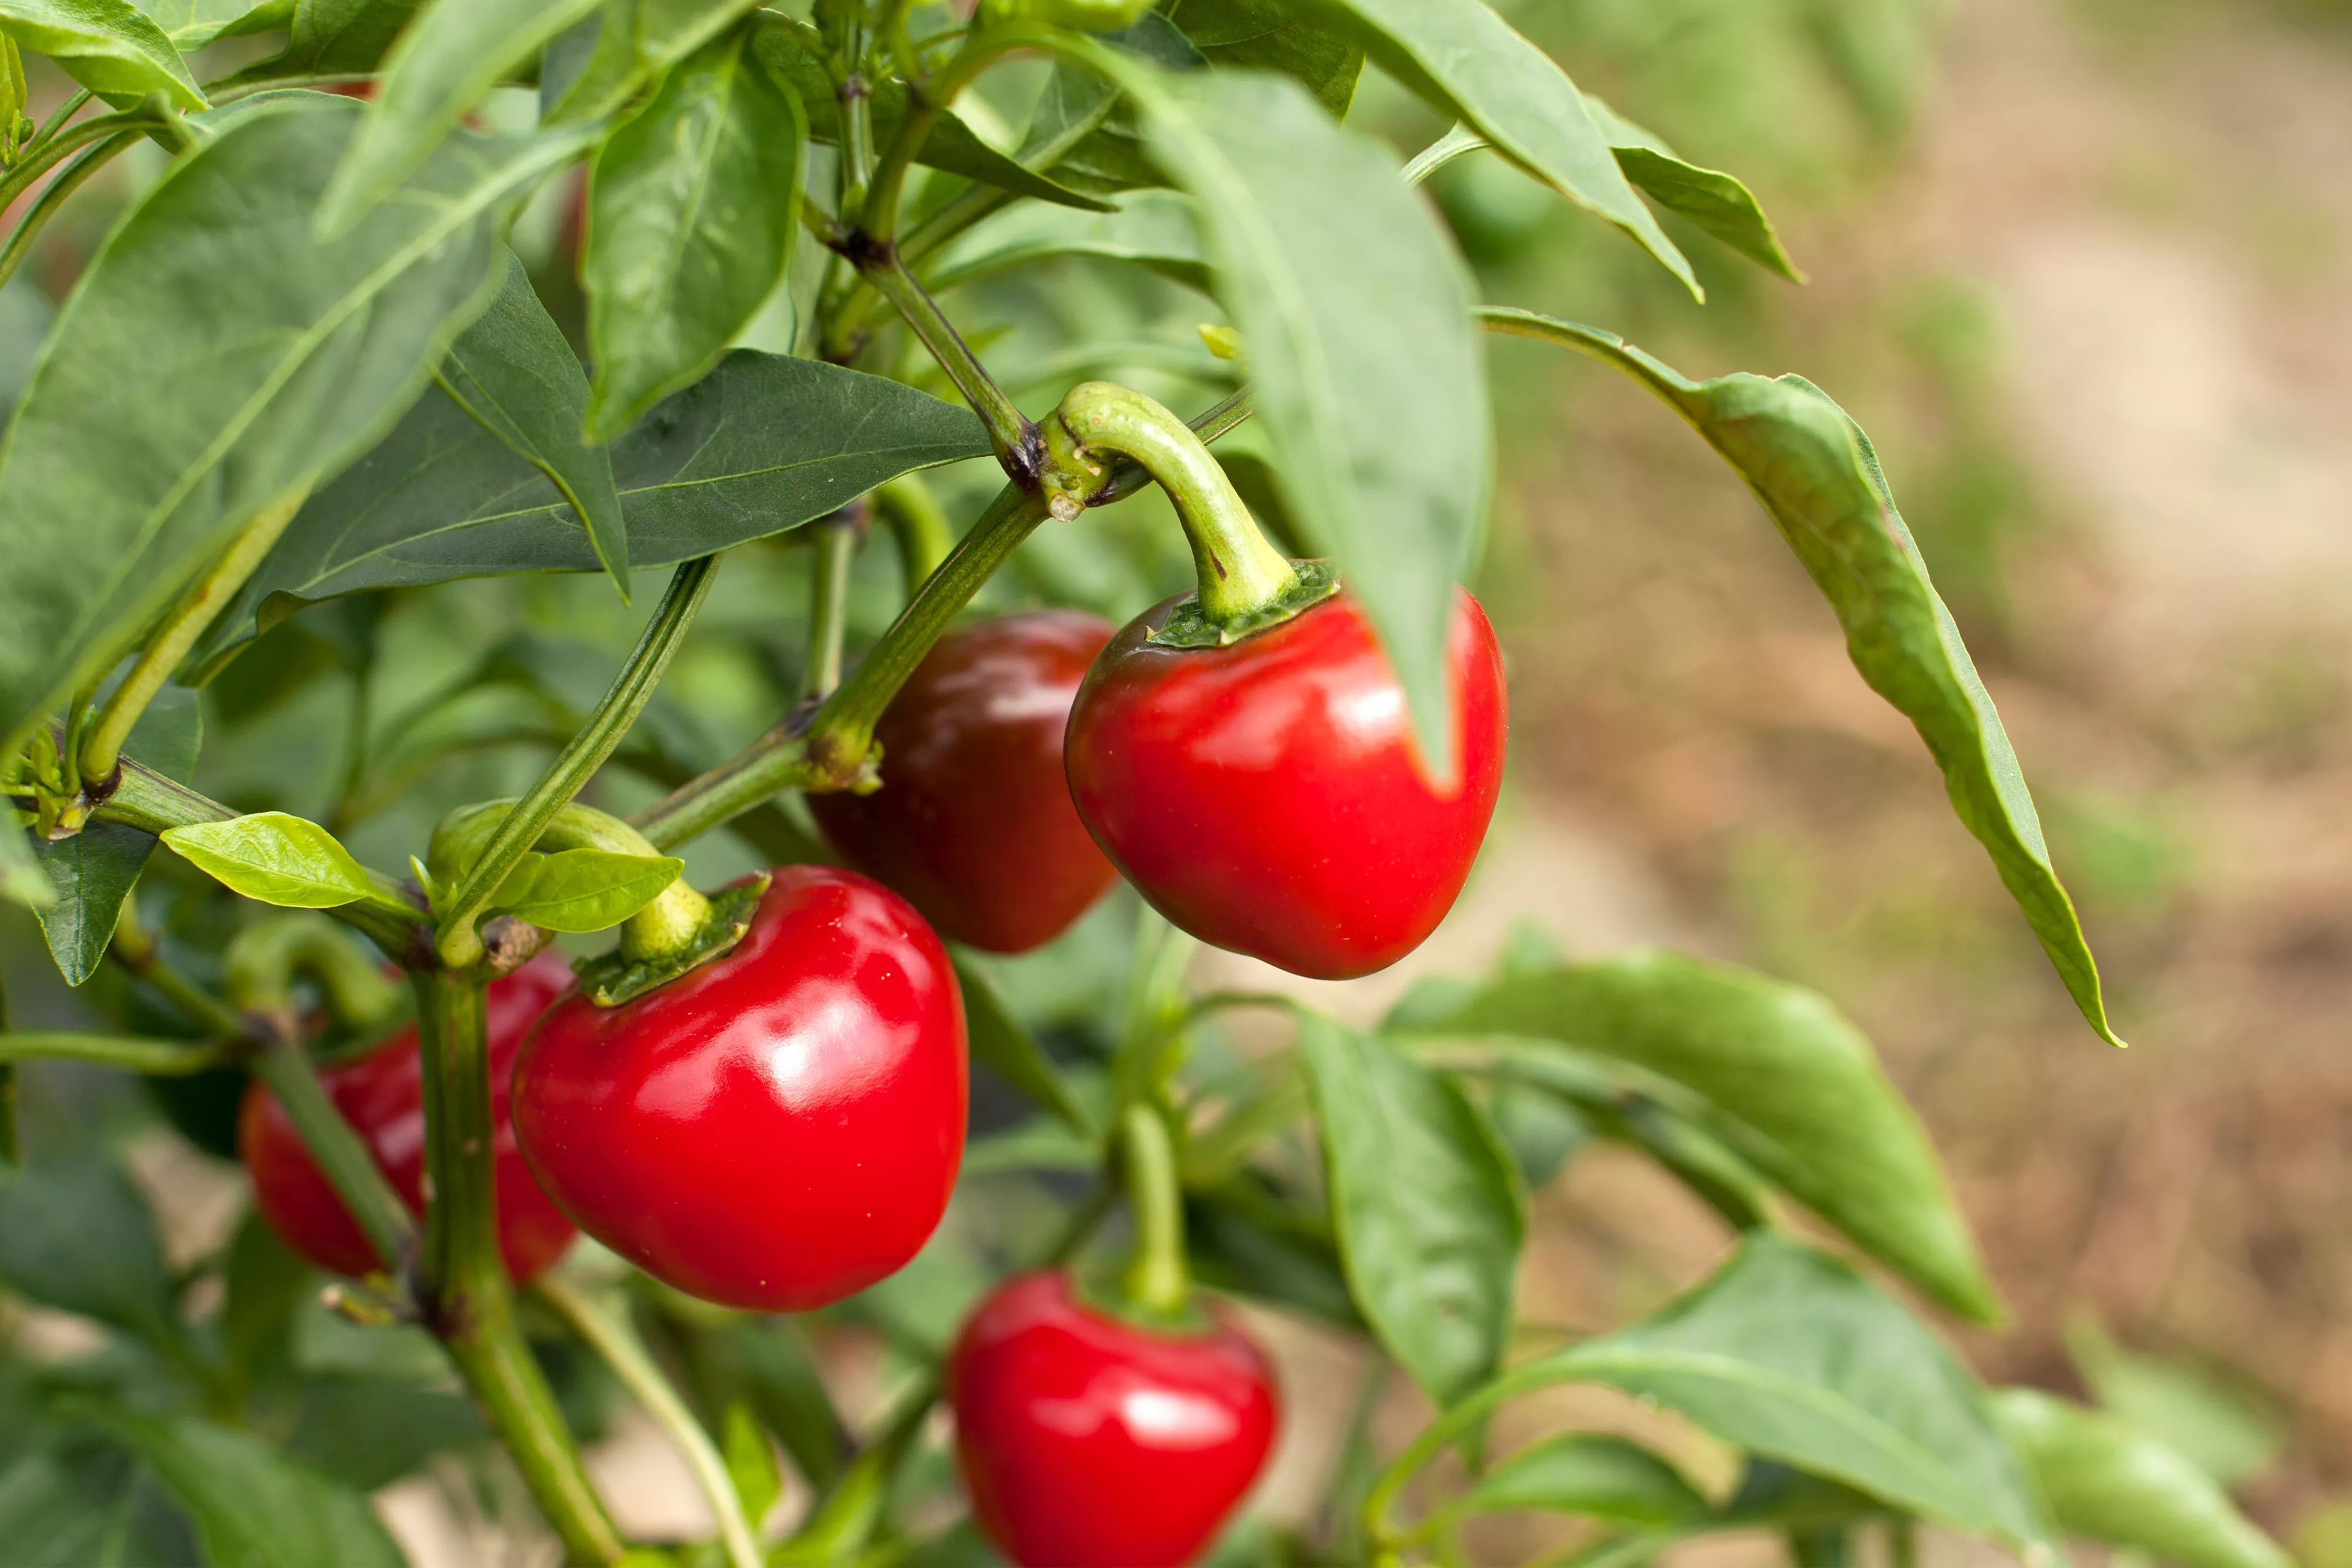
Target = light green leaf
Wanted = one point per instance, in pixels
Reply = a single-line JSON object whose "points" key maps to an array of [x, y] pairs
{"points": [[1780, 1075], [1818, 478], [587, 890], [1156, 229], [2229, 1435], [513, 370], [447, 56], [622, 46], [693, 212], [1589, 1474], [193, 24], [112, 492], [1424, 1202], [254, 1507], [108, 45], [276, 859], [751, 1463], [76, 1235], [2107, 1481], [1003, 1043], [1467, 61], [1715, 202]]}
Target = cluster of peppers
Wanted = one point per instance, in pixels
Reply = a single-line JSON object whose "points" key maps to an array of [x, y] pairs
{"points": [[1243, 756]]}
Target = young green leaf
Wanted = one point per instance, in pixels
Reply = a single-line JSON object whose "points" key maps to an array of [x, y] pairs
{"points": [[275, 858], [113, 491], [2108, 1481], [1425, 1203], [109, 46], [1003, 1043], [193, 24], [751, 1463], [452, 53], [1589, 1474], [1781, 1076], [1155, 229], [1715, 202], [513, 370], [76, 1235], [622, 47], [588, 890], [693, 210], [1467, 61], [252, 1505], [328, 39], [1818, 479]]}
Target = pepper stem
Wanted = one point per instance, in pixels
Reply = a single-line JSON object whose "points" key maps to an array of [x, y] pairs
{"points": [[1155, 1277], [1241, 575]]}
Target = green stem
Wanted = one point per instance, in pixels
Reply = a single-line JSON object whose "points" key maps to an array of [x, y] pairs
{"points": [[65, 111], [569, 773], [610, 1336], [346, 1161], [835, 545], [461, 1281], [1009, 432], [12, 1153], [262, 960], [926, 102], [132, 1054], [54, 198], [918, 525], [1155, 1277], [67, 143]]}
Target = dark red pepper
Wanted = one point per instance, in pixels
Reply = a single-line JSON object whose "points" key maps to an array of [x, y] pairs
{"points": [[1267, 796], [1090, 1441], [973, 822], [382, 1095], [775, 1129]]}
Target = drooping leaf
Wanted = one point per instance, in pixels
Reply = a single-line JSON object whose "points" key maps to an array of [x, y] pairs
{"points": [[1780, 1075], [762, 443], [1717, 202], [193, 24], [109, 46], [1464, 59], [276, 859], [1003, 1043], [331, 38], [624, 44], [2230, 1437], [76, 1235], [586, 890], [693, 212], [2107, 1481], [1369, 381], [1155, 229], [113, 492], [1589, 1474], [1424, 1204], [513, 370], [254, 1507], [1818, 479], [448, 56]]}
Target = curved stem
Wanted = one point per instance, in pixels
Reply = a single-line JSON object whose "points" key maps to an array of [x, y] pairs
{"points": [[262, 960], [918, 526], [610, 1336], [834, 543], [461, 1281], [926, 103], [132, 1054], [1155, 1277], [68, 141]]}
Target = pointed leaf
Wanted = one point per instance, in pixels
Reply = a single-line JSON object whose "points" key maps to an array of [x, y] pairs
{"points": [[254, 1507], [1156, 229], [590, 890], [1715, 201], [276, 859], [1590, 1474], [614, 52], [1818, 478], [109, 46], [76, 1235]]}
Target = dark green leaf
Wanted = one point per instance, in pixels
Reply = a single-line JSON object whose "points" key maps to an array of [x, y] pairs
{"points": [[624, 46], [762, 445], [114, 490], [1542, 1131], [266, 1281], [1425, 1203], [1728, 1184], [1715, 201], [1379, 437], [513, 370], [109, 46], [1592, 1474], [1003, 1043], [1772, 1493], [751, 1463], [1466, 60], [2107, 1481], [76, 1235], [452, 53], [693, 212], [1243, 1238], [1270, 36], [1780, 1075], [1814, 471], [2230, 1436], [331, 38], [252, 1506], [369, 1432], [276, 859], [1155, 229], [193, 24], [585, 890], [84, 1505]]}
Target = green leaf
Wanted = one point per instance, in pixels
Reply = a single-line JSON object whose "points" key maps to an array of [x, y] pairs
{"points": [[623, 45], [331, 38], [1003, 1043], [193, 24], [1271, 36], [751, 1463], [1817, 476], [762, 445], [369, 1432], [1242, 1236], [1715, 202], [1425, 1203], [693, 212], [79, 1505], [1156, 229], [586, 890], [266, 1282], [114, 490], [447, 56], [108, 45], [1467, 61], [252, 1506], [1780, 1075], [1380, 436], [276, 859], [513, 371], [2107, 1481], [1587, 1473], [76, 1235], [2229, 1434]]}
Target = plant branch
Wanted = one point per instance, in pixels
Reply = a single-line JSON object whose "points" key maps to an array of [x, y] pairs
{"points": [[1009, 432], [69, 141], [347, 1162], [132, 1054], [918, 526], [834, 543], [1155, 1277]]}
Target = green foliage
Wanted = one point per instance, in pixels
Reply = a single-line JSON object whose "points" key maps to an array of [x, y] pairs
{"points": [[111, 46], [276, 859], [584, 890], [252, 1506], [1591, 1475]]}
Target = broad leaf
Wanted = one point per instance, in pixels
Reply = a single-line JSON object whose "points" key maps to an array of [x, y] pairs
{"points": [[1818, 478], [452, 53], [1590, 1474], [2110, 1482], [1466, 60], [1425, 1203], [253, 1506], [762, 445], [78, 1505], [1003, 1043], [111, 46], [114, 491], [586, 890], [331, 38], [1271, 36], [623, 46], [1715, 202], [193, 24], [1367, 377], [513, 370], [276, 859], [693, 211], [1779, 1074], [1156, 229], [76, 1235]]}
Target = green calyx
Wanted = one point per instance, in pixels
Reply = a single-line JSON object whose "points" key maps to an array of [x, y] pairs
{"points": [[617, 977], [1191, 626]]}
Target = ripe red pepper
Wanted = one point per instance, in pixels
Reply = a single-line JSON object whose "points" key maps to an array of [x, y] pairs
{"points": [[382, 1095], [973, 822], [775, 1129], [1089, 1441], [1267, 795]]}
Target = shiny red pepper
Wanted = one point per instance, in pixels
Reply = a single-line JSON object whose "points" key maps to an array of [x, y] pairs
{"points": [[775, 1129], [1267, 796], [1089, 1441], [382, 1095], [973, 822]]}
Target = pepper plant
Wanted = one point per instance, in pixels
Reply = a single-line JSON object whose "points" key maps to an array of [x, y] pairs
{"points": [[319, 381]]}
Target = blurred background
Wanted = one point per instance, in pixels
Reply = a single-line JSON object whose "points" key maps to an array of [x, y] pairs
{"points": [[2083, 268]]}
